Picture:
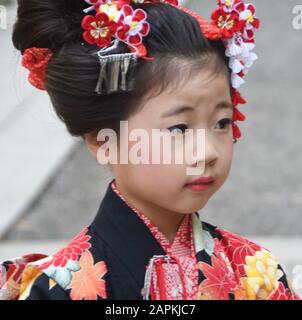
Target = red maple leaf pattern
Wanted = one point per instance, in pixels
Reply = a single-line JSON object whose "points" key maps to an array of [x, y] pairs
{"points": [[88, 282], [219, 281]]}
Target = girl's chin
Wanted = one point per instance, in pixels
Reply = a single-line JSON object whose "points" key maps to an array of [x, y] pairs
{"points": [[194, 205]]}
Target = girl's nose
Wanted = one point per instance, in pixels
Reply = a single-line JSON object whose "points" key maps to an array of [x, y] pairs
{"points": [[211, 154], [206, 158]]}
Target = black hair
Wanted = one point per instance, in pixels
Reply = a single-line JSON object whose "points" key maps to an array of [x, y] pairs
{"points": [[175, 41]]}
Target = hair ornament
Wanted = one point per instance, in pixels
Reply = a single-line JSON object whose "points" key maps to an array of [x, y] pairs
{"points": [[233, 22], [36, 61]]}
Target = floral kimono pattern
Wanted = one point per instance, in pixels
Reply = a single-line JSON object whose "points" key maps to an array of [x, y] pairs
{"points": [[122, 255]]}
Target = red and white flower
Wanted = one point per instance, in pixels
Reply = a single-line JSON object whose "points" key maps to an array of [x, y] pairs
{"points": [[237, 22], [98, 29], [132, 26], [247, 13], [241, 58], [228, 22], [116, 19]]}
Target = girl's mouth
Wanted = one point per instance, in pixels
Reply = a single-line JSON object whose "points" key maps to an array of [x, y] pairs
{"points": [[200, 184]]}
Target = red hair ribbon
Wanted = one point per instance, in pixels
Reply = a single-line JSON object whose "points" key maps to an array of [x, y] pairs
{"points": [[36, 61]]}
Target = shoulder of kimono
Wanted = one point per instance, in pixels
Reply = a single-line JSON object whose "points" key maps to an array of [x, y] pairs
{"points": [[79, 258], [22, 279], [11, 274]]}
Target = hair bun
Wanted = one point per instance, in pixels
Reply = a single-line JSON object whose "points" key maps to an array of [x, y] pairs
{"points": [[47, 23]]}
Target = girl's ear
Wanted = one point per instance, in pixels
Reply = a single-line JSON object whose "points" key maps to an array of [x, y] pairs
{"points": [[91, 142], [93, 145]]}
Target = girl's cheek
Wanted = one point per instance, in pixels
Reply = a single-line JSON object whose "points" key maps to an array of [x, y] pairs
{"points": [[230, 150]]}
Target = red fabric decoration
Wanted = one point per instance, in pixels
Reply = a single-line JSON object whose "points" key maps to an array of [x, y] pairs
{"points": [[36, 61], [228, 23], [98, 29], [236, 131]]}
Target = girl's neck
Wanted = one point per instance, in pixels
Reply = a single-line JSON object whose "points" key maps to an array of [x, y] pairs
{"points": [[167, 221]]}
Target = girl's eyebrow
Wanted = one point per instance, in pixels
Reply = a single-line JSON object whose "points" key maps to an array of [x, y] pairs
{"points": [[177, 111], [183, 109], [223, 105]]}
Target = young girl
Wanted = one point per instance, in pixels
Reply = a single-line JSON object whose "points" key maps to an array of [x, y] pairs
{"points": [[155, 65]]}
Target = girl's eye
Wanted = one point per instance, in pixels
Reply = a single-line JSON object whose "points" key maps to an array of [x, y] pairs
{"points": [[178, 129], [225, 123]]}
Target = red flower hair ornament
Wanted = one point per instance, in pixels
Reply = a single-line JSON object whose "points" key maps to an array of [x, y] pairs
{"points": [[114, 21]]}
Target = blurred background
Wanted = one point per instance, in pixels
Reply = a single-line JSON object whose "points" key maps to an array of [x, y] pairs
{"points": [[50, 186]]}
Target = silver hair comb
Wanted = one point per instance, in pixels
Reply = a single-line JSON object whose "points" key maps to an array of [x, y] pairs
{"points": [[114, 71]]}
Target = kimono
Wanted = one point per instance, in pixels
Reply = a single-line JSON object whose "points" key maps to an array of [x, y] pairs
{"points": [[122, 255]]}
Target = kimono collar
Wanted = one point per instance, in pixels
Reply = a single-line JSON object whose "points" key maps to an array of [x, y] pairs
{"points": [[127, 235], [182, 244]]}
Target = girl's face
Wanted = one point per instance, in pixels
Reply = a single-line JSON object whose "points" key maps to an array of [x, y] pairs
{"points": [[162, 186]]}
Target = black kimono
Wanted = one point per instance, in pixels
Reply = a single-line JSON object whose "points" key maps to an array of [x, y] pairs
{"points": [[118, 257]]}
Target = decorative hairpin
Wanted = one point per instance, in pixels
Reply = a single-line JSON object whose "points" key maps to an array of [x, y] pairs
{"points": [[119, 65], [116, 20]]}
